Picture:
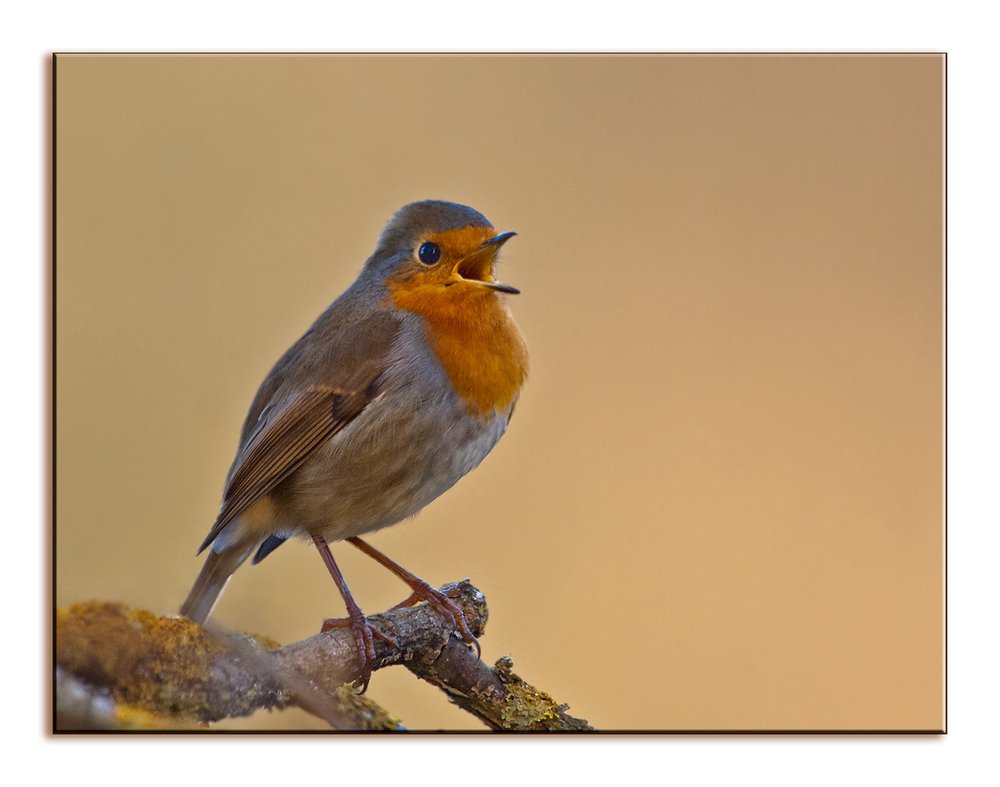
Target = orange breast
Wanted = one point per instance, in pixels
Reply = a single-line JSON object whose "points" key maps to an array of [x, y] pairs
{"points": [[473, 335]]}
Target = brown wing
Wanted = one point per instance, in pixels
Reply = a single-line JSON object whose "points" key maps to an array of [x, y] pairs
{"points": [[286, 433], [323, 382]]}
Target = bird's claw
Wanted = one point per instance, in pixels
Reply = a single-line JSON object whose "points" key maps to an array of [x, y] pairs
{"points": [[444, 606], [364, 638]]}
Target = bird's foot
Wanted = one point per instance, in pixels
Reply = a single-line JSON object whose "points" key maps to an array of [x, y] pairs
{"points": [[364, 638], [444, 606]]}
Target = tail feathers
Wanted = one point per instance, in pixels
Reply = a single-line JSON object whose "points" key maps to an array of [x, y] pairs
{"points": [[219, 566]]}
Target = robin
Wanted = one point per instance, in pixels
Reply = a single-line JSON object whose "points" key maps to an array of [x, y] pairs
{"points": [[401, 387]]}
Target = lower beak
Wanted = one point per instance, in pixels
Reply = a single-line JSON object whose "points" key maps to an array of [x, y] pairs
{"points": [[478, 266]]}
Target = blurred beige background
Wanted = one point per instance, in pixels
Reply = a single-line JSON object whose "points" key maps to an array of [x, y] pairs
{"points": [[728, 461]]}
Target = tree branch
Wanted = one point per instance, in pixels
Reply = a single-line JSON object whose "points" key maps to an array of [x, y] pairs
{"points": [[124, 669]]}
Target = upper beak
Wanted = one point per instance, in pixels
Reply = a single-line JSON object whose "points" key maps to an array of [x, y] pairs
{"points": [[478, 266], [499, 240]]}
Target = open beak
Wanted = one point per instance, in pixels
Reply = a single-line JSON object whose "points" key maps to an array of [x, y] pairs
{"points": [[478, 266]]}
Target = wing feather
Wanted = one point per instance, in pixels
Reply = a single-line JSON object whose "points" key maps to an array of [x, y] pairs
{"points": [[286, 433]]}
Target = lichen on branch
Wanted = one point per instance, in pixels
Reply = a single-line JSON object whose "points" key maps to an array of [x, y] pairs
{"points": [[119, 668]]}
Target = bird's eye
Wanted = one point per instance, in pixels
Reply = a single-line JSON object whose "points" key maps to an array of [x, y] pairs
{"points": [[429, 253]]}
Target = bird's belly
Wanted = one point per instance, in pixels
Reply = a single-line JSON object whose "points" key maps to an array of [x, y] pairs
{"points": [[394, 459]]}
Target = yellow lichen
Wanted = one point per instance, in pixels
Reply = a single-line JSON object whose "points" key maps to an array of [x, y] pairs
{"points": [[151, 663]]}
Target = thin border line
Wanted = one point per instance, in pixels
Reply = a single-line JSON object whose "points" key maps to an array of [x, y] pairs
{"points": [[378, 53]]}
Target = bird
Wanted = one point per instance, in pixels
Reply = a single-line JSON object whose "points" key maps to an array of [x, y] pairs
{"points": [[401, 387]]}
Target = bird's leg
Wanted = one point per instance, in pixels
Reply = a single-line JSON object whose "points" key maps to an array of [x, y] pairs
{"points": [[439, 602], [363, 633]]}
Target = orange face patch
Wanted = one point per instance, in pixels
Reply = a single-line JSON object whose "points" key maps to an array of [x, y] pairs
{"points": [[469, 326]]}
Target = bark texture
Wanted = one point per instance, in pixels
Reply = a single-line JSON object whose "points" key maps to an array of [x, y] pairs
{"points": [[123, 669]]}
